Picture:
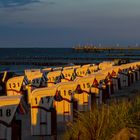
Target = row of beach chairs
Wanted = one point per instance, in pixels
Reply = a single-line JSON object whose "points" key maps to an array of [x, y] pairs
{"points": [[51, 97]]}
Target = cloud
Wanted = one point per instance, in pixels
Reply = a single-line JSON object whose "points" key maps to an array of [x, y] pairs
{"points": [[14, 3]]}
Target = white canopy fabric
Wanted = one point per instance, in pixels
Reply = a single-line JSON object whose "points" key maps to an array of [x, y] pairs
{"points": [[8, 106]]}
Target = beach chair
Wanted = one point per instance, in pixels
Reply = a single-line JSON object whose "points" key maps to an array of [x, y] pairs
{"points": [[54, 77], [100, 88], [4, 76], [68, 75], [126, 75], [43, 114], [58, 69], [64, 103], [71, 67], [18, 86], [112, 78], [10, 126], [31, 72], [115, 78], [137, 69], [34, 77], [47, 69], [37, 79], [82, 92], [93, 69], [132, 72], [76, 66], [82, 71], [14, 85], [106, 64]]}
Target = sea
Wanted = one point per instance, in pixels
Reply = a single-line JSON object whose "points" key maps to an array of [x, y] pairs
{"points": [[18, 59]]}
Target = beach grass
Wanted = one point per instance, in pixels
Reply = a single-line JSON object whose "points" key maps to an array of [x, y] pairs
{"points": [[107, 121]]}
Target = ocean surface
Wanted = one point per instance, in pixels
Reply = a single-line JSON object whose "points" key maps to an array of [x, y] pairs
{"points": [[18, 59]]}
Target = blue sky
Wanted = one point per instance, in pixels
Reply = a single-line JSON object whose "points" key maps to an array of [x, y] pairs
{"points": [[64, 23]]}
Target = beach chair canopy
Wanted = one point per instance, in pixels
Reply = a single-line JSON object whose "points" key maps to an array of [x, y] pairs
{"points": [[106, 64], [66, 89], [47, 69], [71, 67], [99, 76], [42, 92], [8, 107], [15, 83], [87, 65], [93, 68], [43, 97], [69, 74], [82, 71], [28, 71], [33, 74], [57, 69], [53, 75], [85, 82]]}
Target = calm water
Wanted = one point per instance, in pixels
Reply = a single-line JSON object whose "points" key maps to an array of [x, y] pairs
{"points": [[66, 55]]}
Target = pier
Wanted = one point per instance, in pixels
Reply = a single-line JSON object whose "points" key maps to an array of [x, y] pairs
{"points": [[93, 48]]}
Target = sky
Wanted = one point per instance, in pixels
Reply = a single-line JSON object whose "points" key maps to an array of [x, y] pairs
{"points": [[66, 23]]}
